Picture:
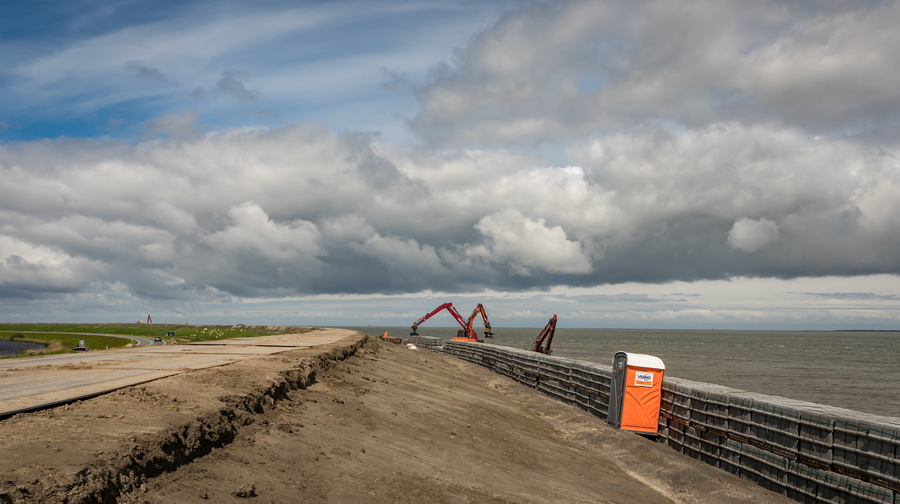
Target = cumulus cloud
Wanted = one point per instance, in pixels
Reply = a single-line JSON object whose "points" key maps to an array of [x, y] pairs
{"points": [[553, 70], [252, 232], [751, 235], [690, 141], [186, 125], [303, 210], [526, 244], [34, 271]]}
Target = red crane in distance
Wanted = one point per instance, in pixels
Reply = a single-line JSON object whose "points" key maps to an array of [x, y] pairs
{"points": [[545, 336], [464, 334]]}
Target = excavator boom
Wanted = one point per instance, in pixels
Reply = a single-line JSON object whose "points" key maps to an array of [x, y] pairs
{"points": [[465, 333], [471, 320], [543, 341], [427, 316]]}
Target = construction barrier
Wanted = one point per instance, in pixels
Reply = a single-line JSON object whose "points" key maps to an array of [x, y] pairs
{"points": [[808, 452]]}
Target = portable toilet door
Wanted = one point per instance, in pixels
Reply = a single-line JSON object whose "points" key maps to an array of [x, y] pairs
{"points": [[637, 395], [617, 389]]}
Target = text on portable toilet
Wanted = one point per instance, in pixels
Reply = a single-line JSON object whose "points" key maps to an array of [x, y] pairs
{"points": [[643, 379]]}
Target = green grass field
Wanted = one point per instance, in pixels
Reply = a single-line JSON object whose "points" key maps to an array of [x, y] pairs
{"points": [[68, 341], [69, 334]]}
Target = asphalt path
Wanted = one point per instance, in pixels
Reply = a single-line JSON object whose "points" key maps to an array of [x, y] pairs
{"points": [[30, 383], [140, 340]]}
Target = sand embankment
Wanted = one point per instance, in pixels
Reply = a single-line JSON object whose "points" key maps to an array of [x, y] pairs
{"points": [[355, 421]]}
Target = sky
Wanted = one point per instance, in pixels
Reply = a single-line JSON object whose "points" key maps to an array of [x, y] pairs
{"points": [[648, 164]]}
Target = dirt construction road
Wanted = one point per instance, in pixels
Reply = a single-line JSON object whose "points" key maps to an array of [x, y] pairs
{"points": [[355, 421], [30, 383]]}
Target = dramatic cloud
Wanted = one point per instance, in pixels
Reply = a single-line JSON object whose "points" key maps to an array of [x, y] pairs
{"points": [[527, 244], [252, 232], [553, 70], [302, 210], [567, 145]]}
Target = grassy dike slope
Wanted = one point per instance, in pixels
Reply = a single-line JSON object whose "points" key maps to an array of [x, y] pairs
{"points": [[356, 421], [58, 338]]}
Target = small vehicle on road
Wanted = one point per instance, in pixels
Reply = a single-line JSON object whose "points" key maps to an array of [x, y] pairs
{"points": [[158, 338]]}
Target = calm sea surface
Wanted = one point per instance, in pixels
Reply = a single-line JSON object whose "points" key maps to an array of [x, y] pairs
{"points": [[854, 370]]}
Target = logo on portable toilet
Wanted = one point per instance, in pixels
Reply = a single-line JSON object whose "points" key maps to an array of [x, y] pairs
{"points": [[643, 379]]}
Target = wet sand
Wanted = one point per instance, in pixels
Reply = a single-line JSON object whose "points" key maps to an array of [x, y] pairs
{"points": [[356, 421]]}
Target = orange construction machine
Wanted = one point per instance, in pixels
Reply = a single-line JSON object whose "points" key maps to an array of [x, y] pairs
{"points": [[464, 334], [471, 320]]}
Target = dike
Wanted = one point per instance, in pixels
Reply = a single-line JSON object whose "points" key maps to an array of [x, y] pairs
{"points": [[32, 478]]}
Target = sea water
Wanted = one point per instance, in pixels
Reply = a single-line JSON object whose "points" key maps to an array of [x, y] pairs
{"points": [[854, 370]]}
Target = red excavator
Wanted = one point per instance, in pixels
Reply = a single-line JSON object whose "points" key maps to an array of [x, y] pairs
{"points": [[464, 334], [471, 320], [542, 343]]}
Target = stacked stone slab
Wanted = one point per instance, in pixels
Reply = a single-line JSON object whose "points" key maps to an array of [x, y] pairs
{"points": [[809, 452], [591, 382], [425, 341]]}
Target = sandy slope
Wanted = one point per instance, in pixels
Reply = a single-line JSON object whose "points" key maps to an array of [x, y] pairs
{"points": [[358, 421]]}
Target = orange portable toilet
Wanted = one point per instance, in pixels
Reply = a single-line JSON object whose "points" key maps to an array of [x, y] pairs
{"points": [[635, 391]]}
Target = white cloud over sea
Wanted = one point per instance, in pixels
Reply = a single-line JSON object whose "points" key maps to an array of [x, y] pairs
{"points": [[655, 164]]}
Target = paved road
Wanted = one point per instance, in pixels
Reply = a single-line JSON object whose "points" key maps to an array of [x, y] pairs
{"points": [[141, 340], [30, 383]]}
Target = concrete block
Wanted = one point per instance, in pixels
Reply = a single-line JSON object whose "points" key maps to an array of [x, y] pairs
{"points": [[851, 444], [676, 437], [710, 444], [775, 421], [833, 487], [763, 461], [682, 400], [816, 434], [802, 482], [730, 456], [716, 415], [739, 407], [883, 450]]}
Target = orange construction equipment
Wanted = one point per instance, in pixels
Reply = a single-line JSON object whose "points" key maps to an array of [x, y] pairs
{"points": [[471, 320], [635, 392], [464, 334]]}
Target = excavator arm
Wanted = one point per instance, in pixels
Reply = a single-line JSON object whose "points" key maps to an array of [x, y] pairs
{"points": [[471, 320], [543, 341], [427, 316], [467, 334]]}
